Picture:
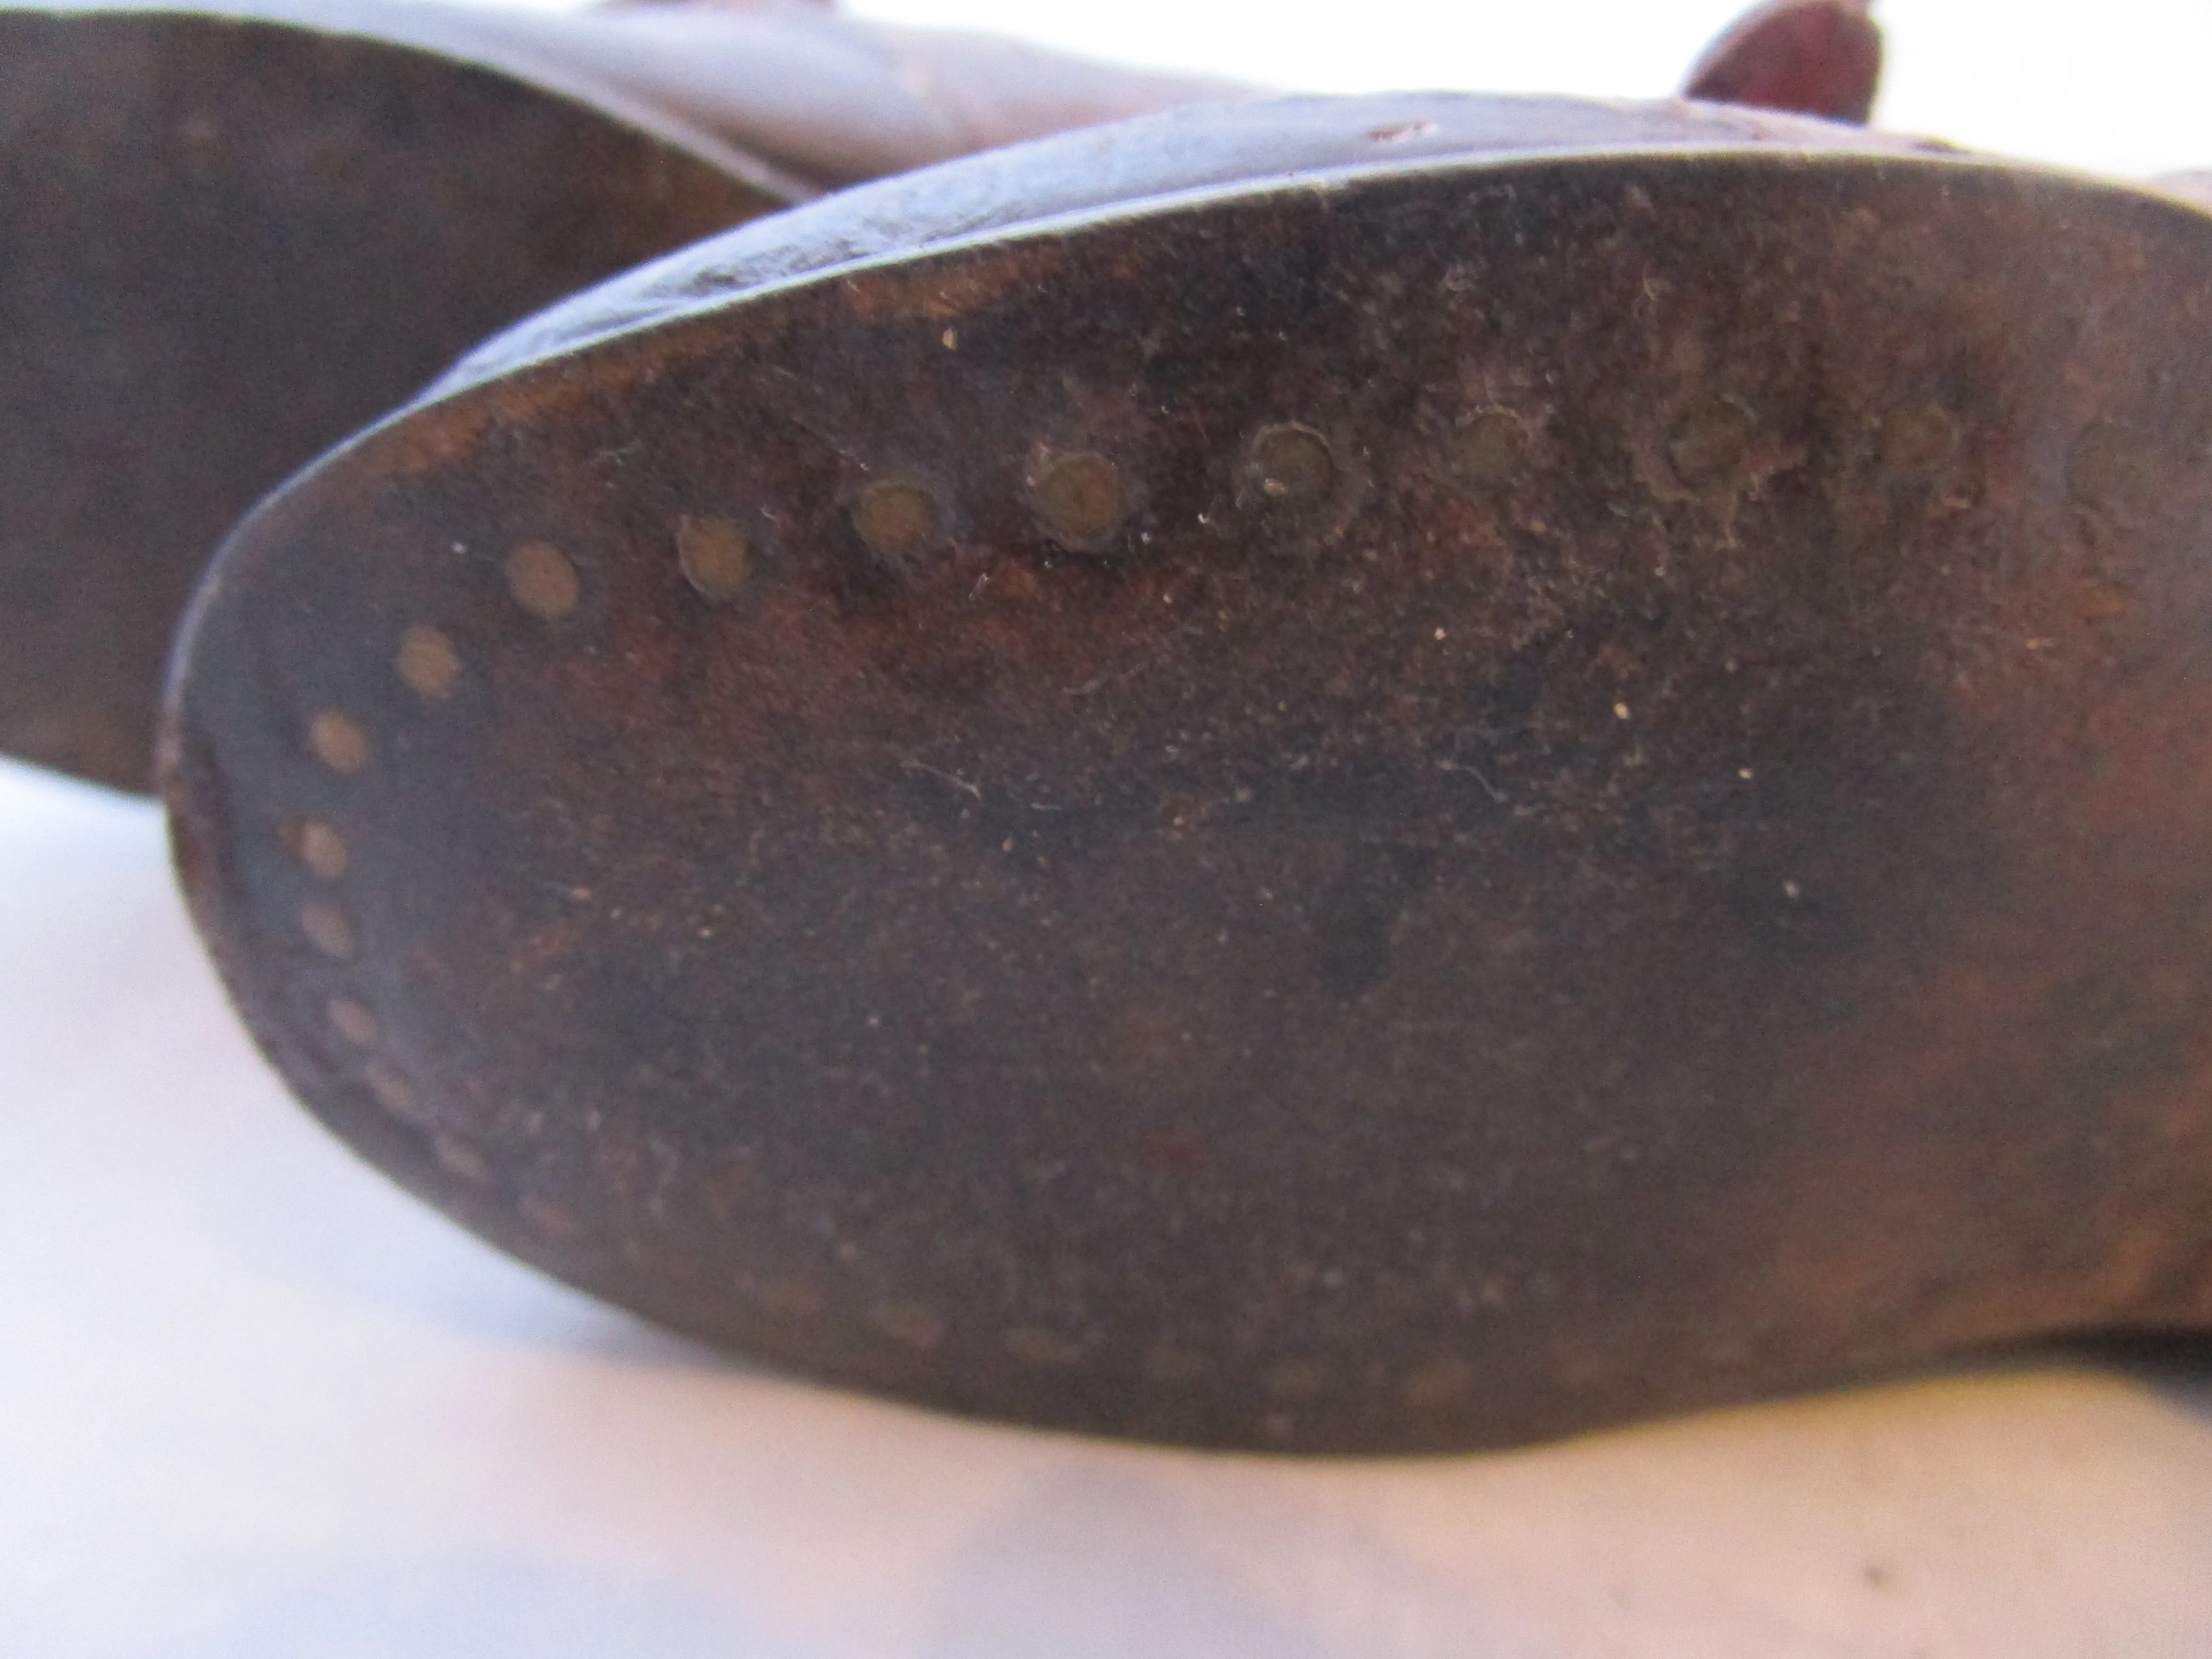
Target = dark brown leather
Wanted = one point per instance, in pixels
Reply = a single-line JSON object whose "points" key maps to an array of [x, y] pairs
{"points": [[1210, 146]]}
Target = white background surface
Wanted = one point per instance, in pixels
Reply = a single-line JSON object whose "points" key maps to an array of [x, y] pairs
{"points": [[254, 1403], [2118, 85]]}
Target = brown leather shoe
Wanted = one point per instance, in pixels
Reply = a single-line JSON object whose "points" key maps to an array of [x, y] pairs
{"points": [[1351, 775]]}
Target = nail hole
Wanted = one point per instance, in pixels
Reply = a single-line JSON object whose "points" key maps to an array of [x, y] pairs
{"points": [[327, 930], [794, 1298], [898, 518], [338, 742], [1296, 1379], [1711, 439], [353, 1022], [458, 1158], [543, 581], [910, 1323], [1438, 1383], [715, 555], [1290, 467], [548, 1217], [317, 845], [427, 662], [1489, 445], [1174, 1366], [394, 1093], [1918, 443], [1080, 499], [1043, 1347]]}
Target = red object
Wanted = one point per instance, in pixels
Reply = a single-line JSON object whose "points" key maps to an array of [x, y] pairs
{"points": [[1812, 57]]}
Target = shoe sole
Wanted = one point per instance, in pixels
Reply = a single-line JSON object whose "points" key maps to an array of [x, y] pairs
{"points": [[1408, 810], [236, 240]]}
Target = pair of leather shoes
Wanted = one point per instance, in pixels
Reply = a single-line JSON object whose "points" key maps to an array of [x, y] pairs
{"points": [[1352, 774]]}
